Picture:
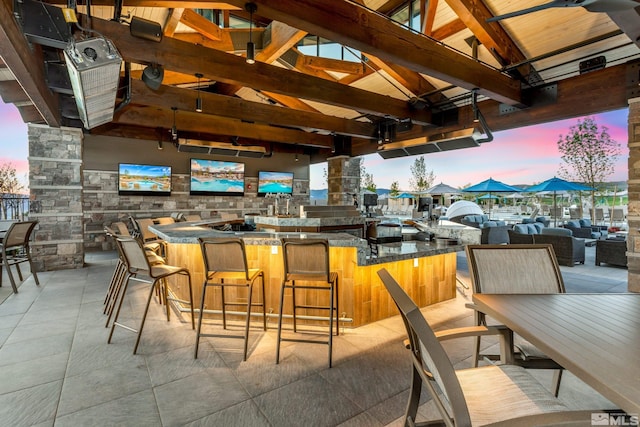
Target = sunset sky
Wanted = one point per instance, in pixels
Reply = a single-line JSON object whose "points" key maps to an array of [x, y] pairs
{"points": [[521, 156], [15, 148]]}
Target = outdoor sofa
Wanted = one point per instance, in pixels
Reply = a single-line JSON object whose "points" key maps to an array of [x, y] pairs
{"points": [[583, 228], [569, 250], [494, 232]]}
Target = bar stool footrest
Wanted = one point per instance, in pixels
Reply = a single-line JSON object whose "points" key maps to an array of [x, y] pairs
{"points": [[304, 341], [316, 307]]}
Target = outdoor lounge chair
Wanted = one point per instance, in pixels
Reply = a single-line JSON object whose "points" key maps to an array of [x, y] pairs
{"points": [[504, 395]]}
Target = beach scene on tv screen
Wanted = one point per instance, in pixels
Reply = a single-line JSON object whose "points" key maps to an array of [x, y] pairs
{"points": [[217, 176], [275, 182], [144, 178]]}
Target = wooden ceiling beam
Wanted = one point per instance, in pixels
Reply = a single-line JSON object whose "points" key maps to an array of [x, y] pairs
{"points": [[186, 58], [239, 109], [590, 93], [290, 101], [26, 66], [367, 31], [155, 117], [12, 93], [197, 22], [225, 45], [428, 13], [448, 30], [474, 14], [337, 65], [411, 80], [283, 37], [169, 4], [173, 19]]}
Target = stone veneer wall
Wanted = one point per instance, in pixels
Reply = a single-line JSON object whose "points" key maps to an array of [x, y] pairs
{"points": [[73, 204], [343, 180], [633, 214], [55, 183], [102, 205]]}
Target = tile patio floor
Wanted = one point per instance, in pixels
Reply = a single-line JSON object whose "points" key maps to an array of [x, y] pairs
{"points": [[56, 367]]}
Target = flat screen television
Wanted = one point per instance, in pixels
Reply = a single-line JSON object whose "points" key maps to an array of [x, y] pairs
{"points": [[275, 182], [215, 177], [145, 180]]}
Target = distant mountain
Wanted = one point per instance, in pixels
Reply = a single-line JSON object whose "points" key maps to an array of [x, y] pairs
{"points": [[319, 194], [322, 194]]}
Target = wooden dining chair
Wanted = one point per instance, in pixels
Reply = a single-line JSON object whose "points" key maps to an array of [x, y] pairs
{"points": [[15, 250], [515, 269], [505, 395]]}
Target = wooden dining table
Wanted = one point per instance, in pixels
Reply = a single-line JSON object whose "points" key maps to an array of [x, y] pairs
{"points": [[594, 336]]}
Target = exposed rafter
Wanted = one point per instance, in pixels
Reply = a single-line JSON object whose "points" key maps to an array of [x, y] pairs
{"points": [[362, 29], [26, 65]]}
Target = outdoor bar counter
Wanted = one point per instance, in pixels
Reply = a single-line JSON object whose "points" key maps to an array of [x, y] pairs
{"points": [[427, 272], [314, 225]]}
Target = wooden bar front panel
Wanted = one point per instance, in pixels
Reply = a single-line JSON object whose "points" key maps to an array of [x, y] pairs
{"points": [[363, 297]]}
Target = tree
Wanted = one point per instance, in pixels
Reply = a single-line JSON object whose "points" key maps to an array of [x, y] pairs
{"points": [[395, 189], [421, 179], [366, 179], [589, 154], [9, 189]]}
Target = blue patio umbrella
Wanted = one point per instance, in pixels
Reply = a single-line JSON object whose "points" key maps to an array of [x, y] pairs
{"points": [[405, 196], [491, 186], [556, 184]]}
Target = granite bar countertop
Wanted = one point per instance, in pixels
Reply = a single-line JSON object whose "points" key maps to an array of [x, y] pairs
{"points": [[309, 222], [186, 232]]}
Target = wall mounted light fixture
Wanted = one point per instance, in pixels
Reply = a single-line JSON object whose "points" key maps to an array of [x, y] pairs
{"points": [[198, 99], [251, 47]]}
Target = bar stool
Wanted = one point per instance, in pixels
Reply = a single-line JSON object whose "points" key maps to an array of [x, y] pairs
{"points": [[225, 259], [137, 262], [119, 274], [117, 278], [308, 260], [149, 237]]}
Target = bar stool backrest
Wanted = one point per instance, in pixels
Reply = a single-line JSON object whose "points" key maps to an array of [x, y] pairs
{"points": [[120, 229], [135, 226], [143, 225], [134, 254], [18, 234], [306, 257], [164, 220], [224, 254]]}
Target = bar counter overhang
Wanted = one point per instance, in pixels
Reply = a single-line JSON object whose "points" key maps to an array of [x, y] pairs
{"points": [[427, 272]]}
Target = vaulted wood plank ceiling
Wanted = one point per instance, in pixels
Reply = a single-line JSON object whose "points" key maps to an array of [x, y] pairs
{"points": [[421, 83]]}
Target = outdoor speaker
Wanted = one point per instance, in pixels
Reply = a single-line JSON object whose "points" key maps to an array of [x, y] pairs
{"points": [[145, 29], [94, 70], [152, 76]]}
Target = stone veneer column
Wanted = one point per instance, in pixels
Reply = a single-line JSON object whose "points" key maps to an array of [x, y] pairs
{"points": [[55, 184], [344, 180], [633, 214]]}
